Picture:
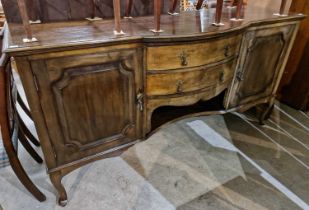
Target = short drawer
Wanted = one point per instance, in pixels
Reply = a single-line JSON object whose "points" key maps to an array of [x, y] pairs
{"points": [[189, 80], [192, 55]]}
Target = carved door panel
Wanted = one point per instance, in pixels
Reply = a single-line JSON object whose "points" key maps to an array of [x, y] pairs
{"points": [[89, 101], [260, 64]]}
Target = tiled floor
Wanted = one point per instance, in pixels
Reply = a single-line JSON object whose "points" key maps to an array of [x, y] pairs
{"points": [[235, 164], [214, 162]]}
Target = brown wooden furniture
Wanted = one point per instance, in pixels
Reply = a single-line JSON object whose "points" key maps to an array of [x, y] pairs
{"points": [[282, 7], [67, 10], [294, 88], [24, 16], [218, 15], [172, 7], [239, 9], [12, 126], [93, 94], [199, 4], [236, 2]]}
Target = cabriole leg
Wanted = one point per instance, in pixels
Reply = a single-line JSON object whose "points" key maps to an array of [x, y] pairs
{"points": [[265, 113], [62, 194]]}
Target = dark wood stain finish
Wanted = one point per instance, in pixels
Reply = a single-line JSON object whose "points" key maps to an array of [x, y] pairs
{"points": [[13, 127], [63, 10], [260, 66], [92, 94], [85, 93]]}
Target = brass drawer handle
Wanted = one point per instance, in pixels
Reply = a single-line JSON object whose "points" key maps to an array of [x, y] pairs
{"points": [[227, 50], [179, 86], [183, 58], [221, 78]]}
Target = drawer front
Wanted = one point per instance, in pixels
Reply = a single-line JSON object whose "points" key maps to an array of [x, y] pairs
{"points": [[191, 55], [190, 80]]}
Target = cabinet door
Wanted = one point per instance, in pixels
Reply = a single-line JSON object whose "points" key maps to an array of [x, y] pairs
{"points": [[262, 55], [89, 101]]}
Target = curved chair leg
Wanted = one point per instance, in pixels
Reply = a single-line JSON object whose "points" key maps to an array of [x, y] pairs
{"points": [[92, 9], [173, 4], [8, 145], [23, 105], [24, 141], [157, 16], [199, 4], [129, 4], [26, 131], [21, 174], [56, 181]]}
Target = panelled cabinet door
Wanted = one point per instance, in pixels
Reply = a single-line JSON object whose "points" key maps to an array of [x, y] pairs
{"points": [[89, 101], [262, 54]]}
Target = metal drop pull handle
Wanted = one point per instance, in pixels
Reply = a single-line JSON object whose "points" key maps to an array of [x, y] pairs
{"points": [[227, 49], [183, 58], [221, 78], [179, 85], [140, 100], [240, 76]]}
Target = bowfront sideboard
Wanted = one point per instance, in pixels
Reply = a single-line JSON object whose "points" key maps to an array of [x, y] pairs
{"points": [[92, 94]]}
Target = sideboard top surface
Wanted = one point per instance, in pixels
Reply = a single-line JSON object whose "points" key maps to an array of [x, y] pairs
{"points": [[188, 26]]}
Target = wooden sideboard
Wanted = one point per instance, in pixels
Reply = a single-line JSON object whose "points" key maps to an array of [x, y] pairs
{"points": [[92, 93]]}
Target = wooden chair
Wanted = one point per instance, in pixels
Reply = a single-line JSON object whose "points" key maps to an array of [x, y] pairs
{"points": [[12, 126], [171, 11], [199, 4], [157, 12], [213, 3]]}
